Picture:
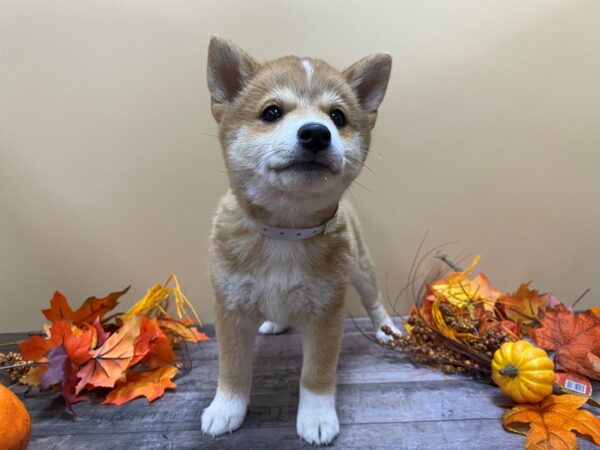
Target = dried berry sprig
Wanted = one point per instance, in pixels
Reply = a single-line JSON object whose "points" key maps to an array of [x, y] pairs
{"points": [[14, 365]]}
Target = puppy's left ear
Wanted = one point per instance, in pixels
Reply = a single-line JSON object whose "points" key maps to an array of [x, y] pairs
{"points": [[369, 78], [229, 69]]}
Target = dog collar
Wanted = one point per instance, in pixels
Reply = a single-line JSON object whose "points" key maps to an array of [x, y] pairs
{"points": [[293, 234]]}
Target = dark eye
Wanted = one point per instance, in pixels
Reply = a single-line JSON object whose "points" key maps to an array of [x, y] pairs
{"points": [[338, 118], [271, 114]]}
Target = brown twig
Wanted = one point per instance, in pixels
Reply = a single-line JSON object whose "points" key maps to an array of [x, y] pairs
{"points": [[18, 366], [583, 294], [9, 344], [444, 258]]}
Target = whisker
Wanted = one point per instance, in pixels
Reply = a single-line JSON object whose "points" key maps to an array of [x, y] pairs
{"points": [[353, 198], [361, 163], [364, 187], [378, 154]]}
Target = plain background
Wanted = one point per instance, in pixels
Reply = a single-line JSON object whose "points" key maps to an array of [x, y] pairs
{"points": [[110, 173]]}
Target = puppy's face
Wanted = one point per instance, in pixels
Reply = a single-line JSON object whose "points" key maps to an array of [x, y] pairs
{"points": [[293, 128]]}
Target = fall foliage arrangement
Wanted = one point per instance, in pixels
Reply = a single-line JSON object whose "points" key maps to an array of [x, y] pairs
{"points": [[536, 349], [129, 354]]}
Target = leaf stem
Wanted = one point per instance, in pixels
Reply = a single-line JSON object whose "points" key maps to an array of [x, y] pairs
{"points": [[559, 390], [9, 344]]}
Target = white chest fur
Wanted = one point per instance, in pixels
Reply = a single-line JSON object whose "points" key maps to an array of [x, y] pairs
{"points": [[278, 284]]}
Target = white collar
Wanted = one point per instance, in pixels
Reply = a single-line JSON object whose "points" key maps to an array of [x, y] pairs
{"points": [[293, 234]]}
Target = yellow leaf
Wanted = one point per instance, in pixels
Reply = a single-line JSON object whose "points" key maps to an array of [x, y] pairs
{"points": [[525, 305], [461, 291], [156, 302]]}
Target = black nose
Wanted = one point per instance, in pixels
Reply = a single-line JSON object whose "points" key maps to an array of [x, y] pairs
{"points": [[314, 137]]}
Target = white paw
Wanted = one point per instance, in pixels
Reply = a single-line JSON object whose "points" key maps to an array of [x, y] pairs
{"points": [[269, 327], [225, 414], [384, 338], [317, 421]]}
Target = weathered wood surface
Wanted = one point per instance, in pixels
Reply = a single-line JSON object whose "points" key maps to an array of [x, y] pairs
{"points": [[384, 401]]}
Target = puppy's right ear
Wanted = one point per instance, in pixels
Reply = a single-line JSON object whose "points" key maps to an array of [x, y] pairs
{"points": [[229, 69]]}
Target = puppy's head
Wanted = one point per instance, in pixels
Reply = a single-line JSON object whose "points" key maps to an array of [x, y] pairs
{"points": [[295, 131]]}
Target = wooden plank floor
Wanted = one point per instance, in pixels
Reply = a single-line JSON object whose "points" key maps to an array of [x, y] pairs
{"points": [[384, 401]]}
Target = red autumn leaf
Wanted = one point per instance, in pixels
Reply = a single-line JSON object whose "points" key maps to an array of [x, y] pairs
{"points": [[90, 309], [160, 354], [65, 344], [36, 347], [574, 337], [63, 361], [101, 334], [69, 390], [78, 344], [151, 385], [524, 306], [152, 345], [112, 359], [61, 370]]}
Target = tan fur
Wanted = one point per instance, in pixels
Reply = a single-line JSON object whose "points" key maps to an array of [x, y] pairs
{"points": [[293, 282]]}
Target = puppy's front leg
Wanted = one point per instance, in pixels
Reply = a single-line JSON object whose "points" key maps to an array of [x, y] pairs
{"points": [[317, 421], [236, 332]]}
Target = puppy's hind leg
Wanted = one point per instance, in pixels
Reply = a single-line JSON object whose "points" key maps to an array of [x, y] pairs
{"points": [[236, 333], [365, 283], [269, 327]]}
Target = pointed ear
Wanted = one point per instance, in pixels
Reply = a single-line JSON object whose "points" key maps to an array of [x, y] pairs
{"points": [[229, 69], [369, 78]]}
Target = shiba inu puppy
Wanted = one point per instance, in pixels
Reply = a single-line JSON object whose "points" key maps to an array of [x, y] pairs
{"points": [[285, 244]]}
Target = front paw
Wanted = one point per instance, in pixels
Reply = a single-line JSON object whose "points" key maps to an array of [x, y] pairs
{"points": [[317, 421], [385, 338], [225, 414]]}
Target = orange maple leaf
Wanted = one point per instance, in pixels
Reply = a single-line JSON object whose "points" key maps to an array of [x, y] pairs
{"points": [[181, 330], [152, 346], [90, 309], [574, 338], [552, 422], [110, 360], [77, 343], [525, 305], [151, 385]]}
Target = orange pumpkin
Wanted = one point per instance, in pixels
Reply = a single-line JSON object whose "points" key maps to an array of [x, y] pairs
{"points": [[15, 424]]}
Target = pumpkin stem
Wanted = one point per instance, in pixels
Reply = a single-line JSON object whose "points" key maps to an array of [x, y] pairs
{"points": [[509, 370]]}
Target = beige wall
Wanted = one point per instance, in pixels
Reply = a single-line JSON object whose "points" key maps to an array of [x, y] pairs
{"points": [[109, 171]]}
